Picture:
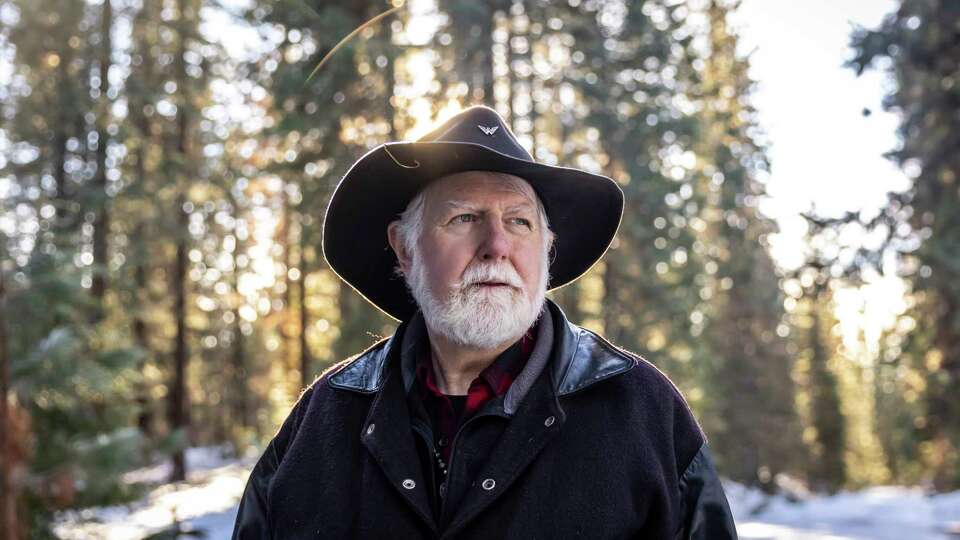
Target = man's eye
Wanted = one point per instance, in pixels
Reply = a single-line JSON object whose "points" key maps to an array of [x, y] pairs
{"points": [[522, 221], [464, 218]]}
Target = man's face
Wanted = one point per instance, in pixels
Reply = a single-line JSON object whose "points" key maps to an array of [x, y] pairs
{"points": [[479, 272]]}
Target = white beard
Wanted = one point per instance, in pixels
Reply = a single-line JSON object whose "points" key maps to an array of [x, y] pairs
{"points": [[474, 317]]}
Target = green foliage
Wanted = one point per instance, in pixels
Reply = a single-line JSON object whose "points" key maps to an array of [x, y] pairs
{"points": [[917, 46], [303, 114], [75, 391], [219, 168], [826, 429], [746, 367]]}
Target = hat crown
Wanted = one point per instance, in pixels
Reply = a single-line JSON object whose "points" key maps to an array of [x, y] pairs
{"points": [[584, 208], [479, 125]]}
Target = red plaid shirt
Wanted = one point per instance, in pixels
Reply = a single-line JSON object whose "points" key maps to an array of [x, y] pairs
{"points": [[494, 381]]}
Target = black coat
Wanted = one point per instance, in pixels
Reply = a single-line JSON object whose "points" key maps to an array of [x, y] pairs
{"points": [[601, 445]]}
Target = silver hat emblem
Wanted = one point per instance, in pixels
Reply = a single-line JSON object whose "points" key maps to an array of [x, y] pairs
{"points": [[488, 130]]}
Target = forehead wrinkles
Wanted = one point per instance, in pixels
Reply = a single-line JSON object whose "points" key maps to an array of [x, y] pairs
{"points": [[516, 185], [467, 205], [449, 191]]}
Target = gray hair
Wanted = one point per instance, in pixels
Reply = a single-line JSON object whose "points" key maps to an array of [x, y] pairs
{"points": [[410, 222]]}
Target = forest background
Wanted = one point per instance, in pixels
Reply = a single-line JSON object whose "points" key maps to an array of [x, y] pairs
{"points": [[162, 190]]}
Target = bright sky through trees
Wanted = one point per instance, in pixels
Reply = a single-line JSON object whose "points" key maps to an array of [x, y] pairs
{"points": [[797, 52], [825, 152]]}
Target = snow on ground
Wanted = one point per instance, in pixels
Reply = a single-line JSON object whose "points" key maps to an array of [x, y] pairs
{"points": [[208, 500], [877, 513]]}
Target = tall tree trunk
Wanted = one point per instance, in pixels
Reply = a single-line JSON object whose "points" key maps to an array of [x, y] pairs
{"points": [[943, 411], [289, 263], [569, 295], [534, 115], [238, 366], [8, 500], [511, 75], [612, 326], [180, 407], [140, 331], [390, 81], [101, 224], [305, 376], [529, 81], [828, 469], [239, 357], [484, 66], [63, 217]]}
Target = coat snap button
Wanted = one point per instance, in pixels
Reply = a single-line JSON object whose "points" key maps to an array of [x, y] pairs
{"points": [[370, 429], [443, 489], [549, 421], [408, 484], [488, 484], [443, 441]]}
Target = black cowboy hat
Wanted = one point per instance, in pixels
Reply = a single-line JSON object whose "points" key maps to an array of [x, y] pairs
{"points": [[584, 209]]}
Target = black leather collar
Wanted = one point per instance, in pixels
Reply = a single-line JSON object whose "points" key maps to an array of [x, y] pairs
{"points": [[364, 373], [580, 358]]}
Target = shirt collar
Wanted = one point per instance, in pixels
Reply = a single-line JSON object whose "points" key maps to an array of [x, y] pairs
{"points": [[415, 358], [498, 375]]}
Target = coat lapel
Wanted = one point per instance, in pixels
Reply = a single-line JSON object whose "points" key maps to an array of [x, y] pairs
{"points": [[387, 436], [538, 421]]}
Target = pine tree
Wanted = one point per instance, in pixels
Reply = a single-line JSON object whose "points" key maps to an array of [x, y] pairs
{"points": [[755, 430], [135, 208], [69, 379], [922, 224], [817, 360], [181, 149], [48, 40], [323, 122], [8, 490], [101, 222]]}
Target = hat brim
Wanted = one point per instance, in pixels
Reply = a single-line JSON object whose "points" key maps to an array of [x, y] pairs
{"points": [[584, 211]]}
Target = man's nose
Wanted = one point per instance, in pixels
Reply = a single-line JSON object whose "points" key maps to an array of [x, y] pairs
{"points": [[496, 244]]}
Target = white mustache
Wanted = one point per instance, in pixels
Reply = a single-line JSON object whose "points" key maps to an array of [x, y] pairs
{"points": [[482, 273]]}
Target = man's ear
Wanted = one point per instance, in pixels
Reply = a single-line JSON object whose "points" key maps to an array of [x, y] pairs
{"points": [[393, 236]]}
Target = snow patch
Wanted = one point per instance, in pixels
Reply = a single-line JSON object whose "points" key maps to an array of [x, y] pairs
{"points": [[877, 513], [208, 501]]}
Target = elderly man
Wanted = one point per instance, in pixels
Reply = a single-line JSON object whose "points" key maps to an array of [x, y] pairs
{"points": [[487, 414]]}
